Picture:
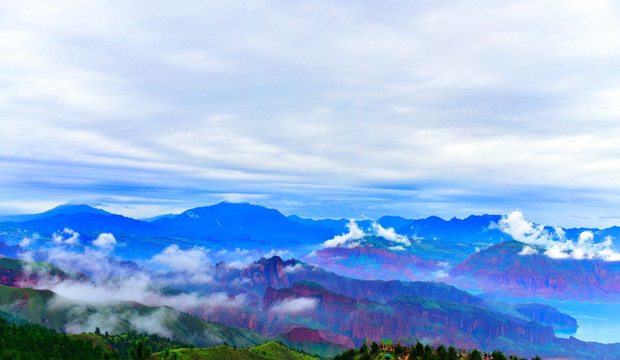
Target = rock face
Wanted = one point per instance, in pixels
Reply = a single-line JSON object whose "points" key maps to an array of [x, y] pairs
{"points": [[374, 262], [405, 317], [277, 273], [501, 268], [547, 315]]}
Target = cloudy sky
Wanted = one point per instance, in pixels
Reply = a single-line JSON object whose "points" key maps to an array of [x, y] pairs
{"points": [[323, 108]]}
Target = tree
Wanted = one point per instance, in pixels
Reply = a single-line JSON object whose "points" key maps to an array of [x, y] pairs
{"points": [[398, 350], [97, 331], [428, 353], [364, 349], [537, 358], [498, 355], [475, 355], [419, 349], [452, 355], [374, 348], [140, 352], [442, 353]]}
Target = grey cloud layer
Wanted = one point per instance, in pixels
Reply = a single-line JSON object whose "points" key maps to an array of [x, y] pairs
{"points": [[444, 109]]}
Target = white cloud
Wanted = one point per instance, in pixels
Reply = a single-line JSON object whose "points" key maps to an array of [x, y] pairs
{"points": [[66, 236], [396, 248], [416, 66], [191, 260], [528, 250], [105, 241], [348, 239], [294, 306], [390, 234], [293, 268], [556, 244]]}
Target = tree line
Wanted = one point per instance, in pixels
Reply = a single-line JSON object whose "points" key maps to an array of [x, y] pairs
{"points": [[419, 351]]}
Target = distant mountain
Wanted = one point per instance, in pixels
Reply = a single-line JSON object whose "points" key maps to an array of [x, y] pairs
{"points": [[503, 269], [242, 222], [473, 229], [88, 223], [376, 262], [336, 226], [66, 209]]}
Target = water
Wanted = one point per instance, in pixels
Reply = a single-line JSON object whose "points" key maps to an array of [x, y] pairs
{"points": [[597, 321]]}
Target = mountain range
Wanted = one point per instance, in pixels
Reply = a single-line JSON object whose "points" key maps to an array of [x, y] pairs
{"points": [[348, 281]]}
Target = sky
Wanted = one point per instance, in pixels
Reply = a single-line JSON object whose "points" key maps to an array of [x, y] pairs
{"points": [[320, 109]]}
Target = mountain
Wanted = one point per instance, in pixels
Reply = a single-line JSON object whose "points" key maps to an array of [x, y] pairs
{"points": [[404, 317], [242, 222], [371, 261], [88, 223], [504, 269], [277, 273], [46, 308], [312, 341], [336, 226], [407, 319], [22, 273], [66, 209]]}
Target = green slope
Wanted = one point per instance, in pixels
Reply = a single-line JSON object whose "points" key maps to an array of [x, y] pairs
{"points": [[268, 351], [46, 308]]}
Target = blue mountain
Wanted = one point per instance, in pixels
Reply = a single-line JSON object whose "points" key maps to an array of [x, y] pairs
{"points": [[242, 221], [66, 209]]}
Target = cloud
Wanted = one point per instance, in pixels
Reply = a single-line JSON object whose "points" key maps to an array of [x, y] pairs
{"points": [[456, 133], [66, 236], [190, 260], [105, 241], [28, 240], [390, 234], [556, 244], [528, 250], [348, 239], [397, 248], [293, 268], [294, 306]]}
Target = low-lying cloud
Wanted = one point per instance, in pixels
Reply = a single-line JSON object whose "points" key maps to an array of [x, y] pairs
{"points": [[66, 236], [354, 236], [190, 260], [556, 245], [105, 241], [294, 306], [350, 239]]}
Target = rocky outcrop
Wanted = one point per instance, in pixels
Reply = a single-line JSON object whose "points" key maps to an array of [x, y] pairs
{"points": [[277, 273], [374, 262], [503, 269], [547, 315], [405, 317]]}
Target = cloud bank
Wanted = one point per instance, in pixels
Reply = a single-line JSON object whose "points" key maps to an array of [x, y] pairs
{"points": [[294, 306], [354, 236], [556, 244]]}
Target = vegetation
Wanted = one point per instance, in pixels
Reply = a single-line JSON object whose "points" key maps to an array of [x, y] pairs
{"points": [[35, 342], [121, 344], [418, 351], [268, 351]]}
